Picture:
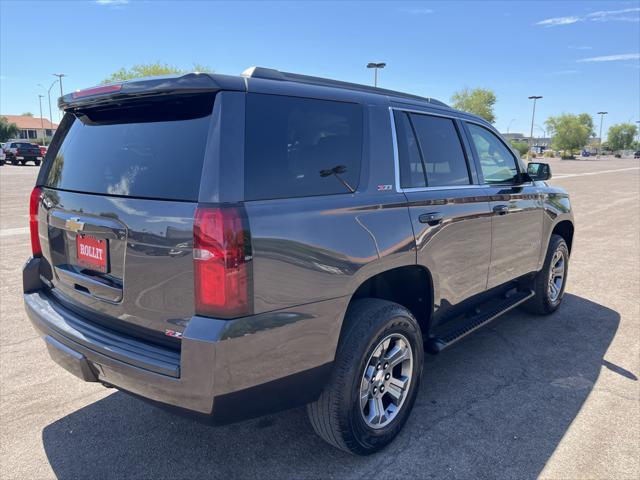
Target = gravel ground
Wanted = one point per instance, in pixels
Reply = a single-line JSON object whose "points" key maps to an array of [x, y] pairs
{"points": [[553, 397]]}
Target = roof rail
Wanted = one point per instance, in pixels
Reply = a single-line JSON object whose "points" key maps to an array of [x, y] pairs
{"points": [[273, 74]]}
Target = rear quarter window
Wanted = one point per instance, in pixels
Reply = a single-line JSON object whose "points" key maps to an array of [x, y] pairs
{"points": [[298, 147]]}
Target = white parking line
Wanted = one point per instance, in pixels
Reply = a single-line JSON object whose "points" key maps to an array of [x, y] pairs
{"points": [[7, 232], [594, 173]]}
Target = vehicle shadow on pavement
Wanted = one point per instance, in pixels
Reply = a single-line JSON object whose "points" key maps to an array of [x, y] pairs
{"points": [[494, 406]]}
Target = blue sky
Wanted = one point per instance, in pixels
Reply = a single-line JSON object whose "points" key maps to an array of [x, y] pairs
{"points": [[581, 56]]}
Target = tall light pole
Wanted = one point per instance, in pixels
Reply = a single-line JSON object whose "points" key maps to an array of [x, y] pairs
{"points": [[638, 134], [44, 138], [375, 67], [59, 75], [602, 114], [49, 95], [533, 116], [509, 126]]}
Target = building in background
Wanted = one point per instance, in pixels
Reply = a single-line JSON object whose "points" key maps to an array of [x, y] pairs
{"points": [[540, 144], [31, 127]]}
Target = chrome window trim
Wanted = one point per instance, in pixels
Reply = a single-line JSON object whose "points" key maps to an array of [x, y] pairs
{"points": [[447, 187], [396, 155]]}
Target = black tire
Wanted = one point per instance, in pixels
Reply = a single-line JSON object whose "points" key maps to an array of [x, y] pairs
{"points": [[542, 303], [22, 162], [14, 162], [336, 416], [37, 162]]}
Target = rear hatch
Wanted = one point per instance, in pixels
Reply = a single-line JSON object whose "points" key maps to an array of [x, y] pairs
{"points": [[120, 189]]}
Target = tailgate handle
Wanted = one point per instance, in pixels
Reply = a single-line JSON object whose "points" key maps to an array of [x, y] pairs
{"points": [[86, 285]]}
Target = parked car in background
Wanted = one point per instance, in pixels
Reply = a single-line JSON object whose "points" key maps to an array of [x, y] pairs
{"points": [[636, 154], [23, 152], [3, 155], [317, 238]]}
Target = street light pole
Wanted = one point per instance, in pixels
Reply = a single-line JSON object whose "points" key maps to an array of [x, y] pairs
{"points": [[509, 126], [375, 67], [533, 116], [44, 138], [602, 114], [59, 75], [49, 96]]}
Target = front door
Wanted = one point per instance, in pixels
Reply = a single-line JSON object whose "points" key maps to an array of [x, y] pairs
{"points": [[516, 209]]}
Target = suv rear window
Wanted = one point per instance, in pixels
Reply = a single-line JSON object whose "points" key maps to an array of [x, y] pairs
{"points": [[144, 149], [297, 147]]}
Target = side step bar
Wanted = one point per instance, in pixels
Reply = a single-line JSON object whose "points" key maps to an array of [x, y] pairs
{"points": [[439, 343]]}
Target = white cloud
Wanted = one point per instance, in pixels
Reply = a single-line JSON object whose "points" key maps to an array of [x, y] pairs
{"points": [[112, 2], [612, 58], [623, 15], [615, 15], [554, 22], [417, 11]]}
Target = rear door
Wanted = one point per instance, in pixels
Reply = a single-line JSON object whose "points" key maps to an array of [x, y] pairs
{"points": [[120, 190], [450, 214], [516, 208]]}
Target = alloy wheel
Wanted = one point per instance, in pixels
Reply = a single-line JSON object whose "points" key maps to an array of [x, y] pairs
{"points": [[386, 380], [556, 276]]}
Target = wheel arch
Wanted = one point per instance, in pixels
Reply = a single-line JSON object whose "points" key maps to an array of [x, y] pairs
{"points": [[410, 286], [566, 230]]}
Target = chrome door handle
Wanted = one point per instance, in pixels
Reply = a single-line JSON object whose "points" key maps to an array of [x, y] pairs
{"points": [[433, 218], [501, 209]]}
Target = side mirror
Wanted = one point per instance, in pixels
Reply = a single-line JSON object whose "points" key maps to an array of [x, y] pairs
{"points": [[539, 171]]}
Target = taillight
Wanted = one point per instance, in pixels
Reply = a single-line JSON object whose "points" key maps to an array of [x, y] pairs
{"points": [[34, 203], [222, 262]]}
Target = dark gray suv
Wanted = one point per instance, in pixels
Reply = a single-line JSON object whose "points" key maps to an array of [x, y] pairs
{"points": [[234, 246]]}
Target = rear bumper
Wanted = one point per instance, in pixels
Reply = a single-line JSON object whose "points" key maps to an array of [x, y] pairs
{"points": [[182, 379], [226, 370]]}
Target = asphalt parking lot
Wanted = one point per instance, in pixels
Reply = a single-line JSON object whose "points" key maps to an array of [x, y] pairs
{"points": [[555, 397]]}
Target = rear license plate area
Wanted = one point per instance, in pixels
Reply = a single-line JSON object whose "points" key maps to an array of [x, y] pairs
{"points": [[92, 253]]}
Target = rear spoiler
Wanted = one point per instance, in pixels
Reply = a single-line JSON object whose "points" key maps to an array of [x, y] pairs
{"points": [[149, 87]]}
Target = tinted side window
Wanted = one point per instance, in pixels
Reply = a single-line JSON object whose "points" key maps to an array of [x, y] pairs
{"points": [[444, 159], [411, 166], [496, 161], [297, 147]]}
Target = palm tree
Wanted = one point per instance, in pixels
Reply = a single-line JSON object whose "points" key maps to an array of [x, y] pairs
{"points": [[7, 130]]}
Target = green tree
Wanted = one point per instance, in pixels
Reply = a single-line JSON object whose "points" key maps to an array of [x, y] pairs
{"points": [[479, 101], [521, 147], [570, 132], [7, 130], [151, 70], [587, 120], [27, 114], [620, 136]]}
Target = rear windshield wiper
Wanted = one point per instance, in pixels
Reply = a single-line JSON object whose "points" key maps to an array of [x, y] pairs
{"points": [[336, 171]]}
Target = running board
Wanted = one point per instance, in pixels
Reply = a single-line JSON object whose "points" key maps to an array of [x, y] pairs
{"points": [[439, 343]]}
